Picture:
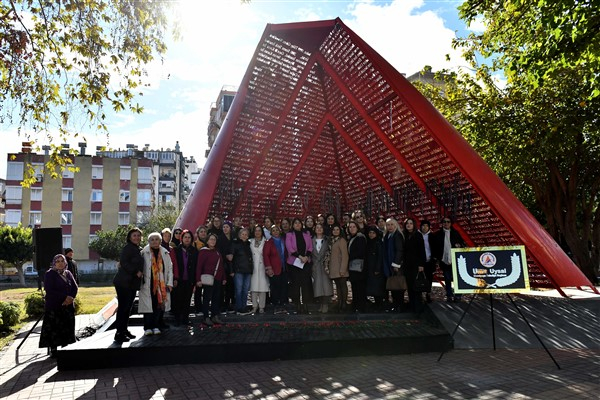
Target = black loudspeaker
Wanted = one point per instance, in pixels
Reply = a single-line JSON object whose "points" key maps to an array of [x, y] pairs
{"points": [[47, 242]]}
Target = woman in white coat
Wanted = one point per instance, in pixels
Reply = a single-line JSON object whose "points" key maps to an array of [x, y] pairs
{"points": [[259, 283], [155, 291]]}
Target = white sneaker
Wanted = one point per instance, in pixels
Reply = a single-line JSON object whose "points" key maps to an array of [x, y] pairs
{"points": [[156, 331], [148, 332]]}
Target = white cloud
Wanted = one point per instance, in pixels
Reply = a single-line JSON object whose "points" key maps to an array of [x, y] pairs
{"points": [[477, 25], [407, 38]]}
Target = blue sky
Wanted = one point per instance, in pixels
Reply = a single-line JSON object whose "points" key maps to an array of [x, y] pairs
{"points": [[217, 43]]}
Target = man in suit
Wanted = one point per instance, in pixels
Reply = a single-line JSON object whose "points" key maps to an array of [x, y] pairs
{"points": [[443, 241]]}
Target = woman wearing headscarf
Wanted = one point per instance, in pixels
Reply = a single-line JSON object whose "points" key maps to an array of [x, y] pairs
{"points": [[298, 244], [58, 328], [127, 282], [155, 292]]}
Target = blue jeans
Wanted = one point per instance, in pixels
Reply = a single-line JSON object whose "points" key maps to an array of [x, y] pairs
{"points": [[242, 286]]}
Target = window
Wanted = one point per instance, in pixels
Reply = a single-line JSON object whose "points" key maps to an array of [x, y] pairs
{"points": [[67, 194], [226, 101], [35, 218], [14, 171], [143, 217], [66, 240], [123, 218], [68, 174], [38, 172], [66, 218], [36, 194], [13, 217], [144, 175], [144, 198], [97, 172], [167, 157], [96, 195], [92, 238], [96, 218], [152, 155], [14, 195], [125, 173], [124, 196]]}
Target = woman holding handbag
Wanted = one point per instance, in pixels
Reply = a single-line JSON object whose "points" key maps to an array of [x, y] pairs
{"points": [[393, 256], [212, 277]]}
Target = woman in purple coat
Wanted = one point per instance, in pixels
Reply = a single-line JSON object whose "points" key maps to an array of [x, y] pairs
{"points": [[58, 328]]}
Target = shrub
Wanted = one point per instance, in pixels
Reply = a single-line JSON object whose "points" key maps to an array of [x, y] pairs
{"points": [[34, 304], [10, 313], [77, 304]]}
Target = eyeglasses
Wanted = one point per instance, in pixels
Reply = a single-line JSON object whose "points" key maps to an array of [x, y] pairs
{"points": [[176, 233], [447, 221]]}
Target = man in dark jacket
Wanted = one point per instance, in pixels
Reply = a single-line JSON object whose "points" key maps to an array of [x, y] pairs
{"points": [[443, 241]]}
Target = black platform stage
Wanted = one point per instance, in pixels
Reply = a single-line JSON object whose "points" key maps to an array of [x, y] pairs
{"points": [[262, 337]]}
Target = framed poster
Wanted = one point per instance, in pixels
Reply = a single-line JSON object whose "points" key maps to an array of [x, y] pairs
{"points": [[501, 269]]}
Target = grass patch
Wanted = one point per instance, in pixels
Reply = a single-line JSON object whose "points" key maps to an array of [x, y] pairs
{"points": [[92, 298]]}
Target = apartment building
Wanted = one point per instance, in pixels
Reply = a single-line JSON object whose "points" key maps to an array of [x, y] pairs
{"points": [[103, 194]]}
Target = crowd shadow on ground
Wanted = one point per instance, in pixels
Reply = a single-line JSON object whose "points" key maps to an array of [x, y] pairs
{"points": [[354, 377]]}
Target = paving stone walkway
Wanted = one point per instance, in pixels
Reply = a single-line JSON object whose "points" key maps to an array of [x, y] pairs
{"points": [[463, 373]]}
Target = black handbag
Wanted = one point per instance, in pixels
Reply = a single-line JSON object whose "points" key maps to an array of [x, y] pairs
{"points": [[422, 284]]}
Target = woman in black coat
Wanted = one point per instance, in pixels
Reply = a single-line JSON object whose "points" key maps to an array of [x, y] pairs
{"points": [[374, 267], [357, 252], [414, 261], [185, 258], [127, 282]]}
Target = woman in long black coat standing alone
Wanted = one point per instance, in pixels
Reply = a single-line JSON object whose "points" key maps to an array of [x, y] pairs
{"points": [[414, 261]]}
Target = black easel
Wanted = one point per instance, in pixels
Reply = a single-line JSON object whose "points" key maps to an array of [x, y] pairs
{"points": [[31, 330], [493, 327]]}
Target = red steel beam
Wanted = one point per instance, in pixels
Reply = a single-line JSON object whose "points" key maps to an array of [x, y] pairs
{"points": [[384, 138], [284, 113], [557, 266], [286, 187], [363, 157]]}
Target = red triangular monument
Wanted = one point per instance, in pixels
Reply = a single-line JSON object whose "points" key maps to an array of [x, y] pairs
{"points": [[322, 123]]}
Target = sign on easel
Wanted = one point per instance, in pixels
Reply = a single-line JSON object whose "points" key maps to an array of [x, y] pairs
{"points": [[501, 269]]}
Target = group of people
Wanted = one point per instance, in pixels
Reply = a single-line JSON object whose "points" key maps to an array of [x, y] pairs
{"points": [[222, 262]]}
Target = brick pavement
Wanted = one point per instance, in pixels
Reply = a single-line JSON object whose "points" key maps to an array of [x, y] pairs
{"points": [[461, 374], [507, 373]]}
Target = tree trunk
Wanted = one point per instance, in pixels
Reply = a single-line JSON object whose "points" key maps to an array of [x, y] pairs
{"points": [[21, 274]]}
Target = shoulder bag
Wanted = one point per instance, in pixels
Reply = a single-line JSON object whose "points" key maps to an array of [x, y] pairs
{"points": [[208, 279], [421, 283]]}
